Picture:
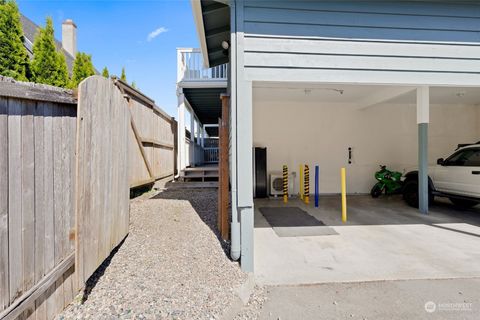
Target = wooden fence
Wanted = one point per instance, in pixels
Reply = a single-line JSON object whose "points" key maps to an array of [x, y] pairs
{"points": [[37, 198], [64, 184], [152, 138]]}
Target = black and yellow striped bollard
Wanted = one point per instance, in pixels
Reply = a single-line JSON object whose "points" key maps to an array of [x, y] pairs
{"points": [[285, 184], [306, 188]]}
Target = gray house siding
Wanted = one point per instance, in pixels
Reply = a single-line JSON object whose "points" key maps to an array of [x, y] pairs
{"points": [[401, 42]]}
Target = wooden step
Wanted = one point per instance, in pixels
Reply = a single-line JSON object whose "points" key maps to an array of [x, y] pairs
{"points": [[200, 175], [193, 185], [212, 168], [193, 173]]}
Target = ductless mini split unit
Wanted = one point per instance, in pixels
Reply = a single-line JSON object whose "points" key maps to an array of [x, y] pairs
{"points": [[276, 184]]}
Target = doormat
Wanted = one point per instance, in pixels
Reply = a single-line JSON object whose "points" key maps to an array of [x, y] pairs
{"points": [[294, 222]]}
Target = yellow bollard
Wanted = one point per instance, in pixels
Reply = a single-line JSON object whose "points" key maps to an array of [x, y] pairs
{"points": [[344, 195], [285, 184], [306, 189], [301, 182]]}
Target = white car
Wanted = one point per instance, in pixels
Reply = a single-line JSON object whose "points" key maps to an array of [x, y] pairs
{"points": [[457, 177]]}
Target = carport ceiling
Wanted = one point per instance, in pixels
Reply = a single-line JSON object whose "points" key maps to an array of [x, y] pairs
{"points": [[359, 96], [445, 95], [206, 103]]}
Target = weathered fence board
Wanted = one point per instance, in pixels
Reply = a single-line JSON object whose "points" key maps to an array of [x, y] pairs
{"points": [[40, 311], [40, 221], [102, 214], [4, 274], [32, 206], [15, 198], [28, 199], [40, 192]]}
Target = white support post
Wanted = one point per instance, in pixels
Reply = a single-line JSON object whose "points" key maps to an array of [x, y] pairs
{"points": [[203, 136], [192, 138], [198, 131], [181, 132], [423, 118], [244, 173]]}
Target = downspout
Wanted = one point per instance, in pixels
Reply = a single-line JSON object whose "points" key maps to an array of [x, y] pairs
{"points": [[235, 248]]}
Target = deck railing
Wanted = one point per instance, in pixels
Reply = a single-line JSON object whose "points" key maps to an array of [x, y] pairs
{"points": [[210, 155], [190, 67]]}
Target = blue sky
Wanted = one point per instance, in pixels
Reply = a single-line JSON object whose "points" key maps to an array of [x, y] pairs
{"points": [[116, 34]]}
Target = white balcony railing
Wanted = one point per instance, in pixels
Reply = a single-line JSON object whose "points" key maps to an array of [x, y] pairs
{"points": [[190, 67], [210, 155]]}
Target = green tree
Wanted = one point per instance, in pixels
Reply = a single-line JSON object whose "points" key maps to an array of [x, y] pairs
{"points": [[82, 68], [14, 61], [105, 72], [48, 65], [134, 85], [123, 76]]}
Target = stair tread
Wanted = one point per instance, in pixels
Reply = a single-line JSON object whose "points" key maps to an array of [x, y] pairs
{"points": [[200, 175], [201, 169]]}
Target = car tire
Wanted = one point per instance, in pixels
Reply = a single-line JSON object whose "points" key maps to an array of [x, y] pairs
{"points": [[376, 191], [463, 203], [410, 193]]}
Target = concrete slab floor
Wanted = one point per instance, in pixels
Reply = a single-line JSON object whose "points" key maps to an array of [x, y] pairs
{"points": [[410, 299], [384, 239]]}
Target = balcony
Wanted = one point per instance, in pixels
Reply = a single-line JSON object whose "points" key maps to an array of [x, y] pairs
{"points": [[191, 70]]}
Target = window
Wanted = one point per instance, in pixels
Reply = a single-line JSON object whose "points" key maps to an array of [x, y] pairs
{"points": [[473, 159], [465, 158]]}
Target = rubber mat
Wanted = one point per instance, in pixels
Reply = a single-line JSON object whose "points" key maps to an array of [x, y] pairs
{"points": [[295, 222]]}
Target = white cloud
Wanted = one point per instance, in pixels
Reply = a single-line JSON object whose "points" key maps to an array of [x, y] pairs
{"points": [[155, 33]]}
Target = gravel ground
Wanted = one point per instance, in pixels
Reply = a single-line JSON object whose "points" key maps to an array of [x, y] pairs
{"points": [[171, 266], [253, 308]]}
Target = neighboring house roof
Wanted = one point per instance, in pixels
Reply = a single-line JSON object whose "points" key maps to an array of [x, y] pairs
{"points": [[30, 30]]}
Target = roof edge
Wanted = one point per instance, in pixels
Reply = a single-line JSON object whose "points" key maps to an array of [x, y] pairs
{"points": [[198, 17]]}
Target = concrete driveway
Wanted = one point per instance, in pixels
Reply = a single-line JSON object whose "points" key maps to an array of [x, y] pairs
{"points": [[384, 239], [405, 299]]}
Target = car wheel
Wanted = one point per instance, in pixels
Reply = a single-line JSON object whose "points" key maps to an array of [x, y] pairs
{"points": [[376, 191], [410, 193], [462, 203]]}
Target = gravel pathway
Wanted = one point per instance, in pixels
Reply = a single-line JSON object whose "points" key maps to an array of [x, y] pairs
{"points": [[171, 266], [253, 308]]}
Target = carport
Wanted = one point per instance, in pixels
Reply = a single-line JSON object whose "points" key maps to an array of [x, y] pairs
{"points": [[383, 239]]}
